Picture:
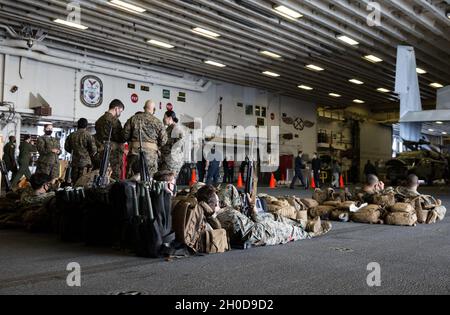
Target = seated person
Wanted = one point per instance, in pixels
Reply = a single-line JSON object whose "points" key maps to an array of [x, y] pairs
{"points": [[411, 188], [39, 192], [372, 188], [260, 230]]}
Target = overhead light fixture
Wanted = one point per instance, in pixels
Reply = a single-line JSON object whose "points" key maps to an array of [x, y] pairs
{"points": [[214, 63], [71, 24], [373, 59], [383, 90], [271, 74], [286, 12], [270, 54], [314, 68], [448, 14], [160, 43], [444, 133], [436, 85], [347, 40], [305, 87], [431, 130], [334, 95], [439, 123], [355, 81], [205, 32], [358, 102], [126, 6], [420, 71]]}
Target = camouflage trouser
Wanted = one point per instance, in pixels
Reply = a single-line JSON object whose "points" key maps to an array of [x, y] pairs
{"points": [[115, 160], [151, 157], [77, 172], [49, 168], [24, 170], [275, 230]]}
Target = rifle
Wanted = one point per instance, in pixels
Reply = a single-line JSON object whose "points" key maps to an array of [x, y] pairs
{"points": [[145, 188], [249, 191], [4, 172], [101, 179]]}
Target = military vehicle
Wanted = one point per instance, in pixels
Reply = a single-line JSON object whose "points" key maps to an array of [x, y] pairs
{"points": [[428, 164]]}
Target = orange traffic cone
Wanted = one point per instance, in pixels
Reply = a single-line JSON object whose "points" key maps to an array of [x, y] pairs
{"points": [[273, 181], [341, 182], [313, 183], [193, 178], [240, 183]]}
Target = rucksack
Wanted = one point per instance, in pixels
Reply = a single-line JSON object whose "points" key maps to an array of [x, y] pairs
{"points": [[188, 223], [401, 218], [214, 241], [370, 214]]}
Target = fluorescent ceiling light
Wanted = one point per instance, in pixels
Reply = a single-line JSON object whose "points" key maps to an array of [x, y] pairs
{"points": [[271, 74], [205, 32], [314, 68], [420, 71], [289, 13], [439, 123], [373, 58], [347, 40], [436, 85], [444, 133], [334, 95], [305, 87], [159, 43], [355, 81], [126, 6], [214, 63], [383, 90], [431, 130], [70, 24], [358, 101], [447, 13], [270, 54]]}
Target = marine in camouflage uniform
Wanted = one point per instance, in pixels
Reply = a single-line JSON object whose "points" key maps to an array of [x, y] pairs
{"points": [[172, 155], [263, 229], [49, 149], [26, 148], [9, 152], [153, 138], [102, 128], [81, 144]]}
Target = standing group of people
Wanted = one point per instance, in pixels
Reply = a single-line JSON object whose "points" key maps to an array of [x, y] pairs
{"points": [[160, 141], [300, 167]]}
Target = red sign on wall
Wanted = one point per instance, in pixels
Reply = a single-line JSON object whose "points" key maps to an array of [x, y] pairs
{"points": [[134, 98]]}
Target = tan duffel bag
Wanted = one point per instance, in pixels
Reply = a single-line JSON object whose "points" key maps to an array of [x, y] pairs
{"points": [[401, 219], [370, 214], [335, 204], [321, 211], [214, 242], [384, 200], [402, 207], [310, 203], [340, 215]]}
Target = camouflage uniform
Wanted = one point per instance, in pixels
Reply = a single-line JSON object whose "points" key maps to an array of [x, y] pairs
{"points": [[102, 128], [172, 153], [153, 138], [24, 162], [9, 152], [262, 230], [29, 198], [87, 180], [48, 162], [81, 144]]}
